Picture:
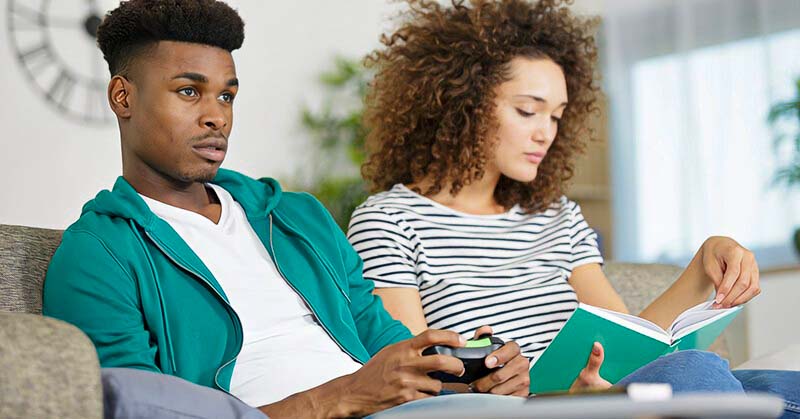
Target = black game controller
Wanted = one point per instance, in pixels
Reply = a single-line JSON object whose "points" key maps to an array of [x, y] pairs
{"points": [[472, 355]]}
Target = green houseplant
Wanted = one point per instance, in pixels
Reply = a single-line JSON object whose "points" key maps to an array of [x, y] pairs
{"points": [[338, 136], [789, 173]]}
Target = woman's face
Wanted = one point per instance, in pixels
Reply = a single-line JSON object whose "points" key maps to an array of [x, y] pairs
{"points": [[527, 108]]}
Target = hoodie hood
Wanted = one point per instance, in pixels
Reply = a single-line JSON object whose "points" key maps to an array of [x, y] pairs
{"points": [[257, 197]]}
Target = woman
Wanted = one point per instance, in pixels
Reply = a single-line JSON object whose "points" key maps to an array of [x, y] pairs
{"points": [[475, 115]]}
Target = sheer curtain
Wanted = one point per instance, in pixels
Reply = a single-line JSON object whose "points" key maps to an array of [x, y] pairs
{"points": [[690, 83]]}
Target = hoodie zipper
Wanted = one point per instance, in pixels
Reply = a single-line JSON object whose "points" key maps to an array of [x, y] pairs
{"points": [[184, 267], [302, 297]]}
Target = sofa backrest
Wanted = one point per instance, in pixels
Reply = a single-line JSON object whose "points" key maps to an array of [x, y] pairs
{"points": [[25, 253], [640, 283]]}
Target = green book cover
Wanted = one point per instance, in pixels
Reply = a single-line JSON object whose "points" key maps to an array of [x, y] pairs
{"points": [[629, 343]]}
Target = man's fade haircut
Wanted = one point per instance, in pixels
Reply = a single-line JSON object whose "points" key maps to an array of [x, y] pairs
{"points": [[136, 25]]}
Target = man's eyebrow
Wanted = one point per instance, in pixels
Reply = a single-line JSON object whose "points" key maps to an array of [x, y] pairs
{"points": [[192, 76], [199, 78], [539, 99]]}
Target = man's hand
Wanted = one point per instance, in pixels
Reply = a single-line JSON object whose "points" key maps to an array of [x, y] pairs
{"points": [[399, 373], [732, 269], [512, 378], [590, 378]]}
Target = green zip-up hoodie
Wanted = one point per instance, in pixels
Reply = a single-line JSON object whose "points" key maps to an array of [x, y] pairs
{"points": [[146, 300]]}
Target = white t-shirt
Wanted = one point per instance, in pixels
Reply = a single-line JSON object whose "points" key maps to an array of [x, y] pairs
{"points": [[285, 351]]}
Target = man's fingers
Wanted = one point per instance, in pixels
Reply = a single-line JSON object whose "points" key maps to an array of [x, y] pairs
{"points": [[444, 363], [483, 330], [408, 395], [433, 337], [429, 385], [517, 385], [517, 367], [501, 356]]}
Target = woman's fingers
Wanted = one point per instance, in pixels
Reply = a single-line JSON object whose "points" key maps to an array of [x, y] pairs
{"points": [[590, 375], [595, 359], [745, 286]]}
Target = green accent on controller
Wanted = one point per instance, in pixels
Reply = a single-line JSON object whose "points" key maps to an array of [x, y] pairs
{"points": [[480, 343]]}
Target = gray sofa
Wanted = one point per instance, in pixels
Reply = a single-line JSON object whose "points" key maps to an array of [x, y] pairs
{"points": [[50, 368]]}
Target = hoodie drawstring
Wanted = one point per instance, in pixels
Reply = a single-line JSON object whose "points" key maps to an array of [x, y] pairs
{"points": [[157, 281]]}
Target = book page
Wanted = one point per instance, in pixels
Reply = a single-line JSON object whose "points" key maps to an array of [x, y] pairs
{"points": [[697, 317], [643, 326]]}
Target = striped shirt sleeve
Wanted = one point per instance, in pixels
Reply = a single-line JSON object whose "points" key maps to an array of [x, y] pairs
{"points": [[385, 247], [585, 249]]}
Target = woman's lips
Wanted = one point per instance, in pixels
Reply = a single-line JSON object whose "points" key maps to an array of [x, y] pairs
{"points": [[535, 158]]}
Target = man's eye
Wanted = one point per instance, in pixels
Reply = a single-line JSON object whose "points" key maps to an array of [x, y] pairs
{"points": [[188, 91], [226, 97]]}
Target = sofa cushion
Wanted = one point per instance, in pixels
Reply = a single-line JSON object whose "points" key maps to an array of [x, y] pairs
{"points": [[25, 253], [49, 369]]}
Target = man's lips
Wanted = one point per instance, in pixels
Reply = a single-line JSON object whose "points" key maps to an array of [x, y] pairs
{"points": [[211, 148]]}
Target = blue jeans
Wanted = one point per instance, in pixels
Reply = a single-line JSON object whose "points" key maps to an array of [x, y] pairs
{"points": [[698, 371]]}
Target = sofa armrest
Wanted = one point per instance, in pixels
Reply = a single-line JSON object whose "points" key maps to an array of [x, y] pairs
{"points": [[48, 368], [786, 359]]}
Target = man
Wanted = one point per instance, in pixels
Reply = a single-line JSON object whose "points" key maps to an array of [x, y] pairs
{"points": [[202, 273]]}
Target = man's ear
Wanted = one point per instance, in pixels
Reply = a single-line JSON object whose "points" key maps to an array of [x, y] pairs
{"points": [[119, 93]]}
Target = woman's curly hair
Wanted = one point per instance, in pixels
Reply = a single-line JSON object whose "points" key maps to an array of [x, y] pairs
{"points": [[430, 108]]}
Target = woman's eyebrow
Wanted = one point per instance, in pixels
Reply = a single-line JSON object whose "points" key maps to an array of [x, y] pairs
{"points": [[538, 99]]}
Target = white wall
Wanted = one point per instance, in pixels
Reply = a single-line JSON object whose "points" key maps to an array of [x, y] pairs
{"points": [[51, 165], [771, 317]]}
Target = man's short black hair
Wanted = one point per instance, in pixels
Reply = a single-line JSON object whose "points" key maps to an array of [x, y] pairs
{"points": [[138, 24]]}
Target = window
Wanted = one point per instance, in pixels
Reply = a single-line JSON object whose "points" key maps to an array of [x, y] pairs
{"points": [[695, 155]]}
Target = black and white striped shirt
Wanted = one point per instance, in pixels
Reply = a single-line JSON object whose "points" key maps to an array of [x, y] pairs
{"points": [[509, 271]]}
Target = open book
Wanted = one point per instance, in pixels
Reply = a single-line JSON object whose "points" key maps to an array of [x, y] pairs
{"points": [[629, 342]]}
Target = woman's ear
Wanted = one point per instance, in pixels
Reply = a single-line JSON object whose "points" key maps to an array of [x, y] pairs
{"points": [[119, 90]]}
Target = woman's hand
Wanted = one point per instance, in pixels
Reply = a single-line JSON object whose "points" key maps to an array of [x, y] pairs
{"points": [[732, 269], [512, 378], [590, 378]]}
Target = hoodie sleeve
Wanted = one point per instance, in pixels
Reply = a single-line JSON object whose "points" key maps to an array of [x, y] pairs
{"points": [[88, 287]]}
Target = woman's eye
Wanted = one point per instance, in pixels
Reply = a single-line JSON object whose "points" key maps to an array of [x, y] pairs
{"points": [[523, 113], [188, 91], [556, 120]]}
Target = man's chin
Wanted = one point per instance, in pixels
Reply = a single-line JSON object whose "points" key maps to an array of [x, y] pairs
{"points": [[204, 176], [207, 178]]}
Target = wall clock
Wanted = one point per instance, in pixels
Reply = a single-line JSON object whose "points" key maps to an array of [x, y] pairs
{"points": [[54, 44]]}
